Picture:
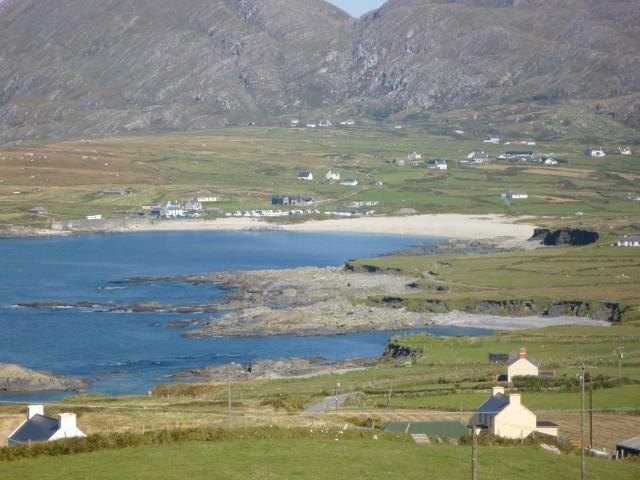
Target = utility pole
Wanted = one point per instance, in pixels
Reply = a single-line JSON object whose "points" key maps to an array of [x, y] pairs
{"points": [[590, 412], [229, 402], [474, 453], [582, 470], [620, 357]]}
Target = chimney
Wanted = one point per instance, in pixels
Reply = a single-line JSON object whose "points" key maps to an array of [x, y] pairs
{"points": [[514, 399], [33, 410], [523, 352], [67, 421], [497, 390]]}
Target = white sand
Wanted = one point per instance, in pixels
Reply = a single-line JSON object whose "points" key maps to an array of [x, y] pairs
{"points": [[464, 227], [495, 322]]}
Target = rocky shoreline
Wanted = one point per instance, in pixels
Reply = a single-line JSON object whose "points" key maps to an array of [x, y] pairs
{"points": [[18, 379], [273, 369]]}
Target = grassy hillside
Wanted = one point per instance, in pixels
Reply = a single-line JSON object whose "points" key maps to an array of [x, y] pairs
{"points": [[312, 459], [533, 280], [246, 166]]}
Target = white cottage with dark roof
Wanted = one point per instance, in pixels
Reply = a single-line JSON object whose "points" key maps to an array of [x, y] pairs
{"points": [[40, 428], [505, 416], [522, 366]]}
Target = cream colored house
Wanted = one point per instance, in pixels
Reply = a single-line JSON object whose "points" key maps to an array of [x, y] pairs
{"points": [[333, 175], [39, 428], [505, 416], [522, 366]]}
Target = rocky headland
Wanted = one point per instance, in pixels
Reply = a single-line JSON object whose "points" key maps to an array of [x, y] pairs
{"points": [[272, 369], [14, 378]]}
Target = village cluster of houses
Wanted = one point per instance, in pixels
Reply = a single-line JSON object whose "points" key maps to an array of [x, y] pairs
{"points": [[599, 151], [416, 161], [324, 123], [332, 176], [191, 208], [296, 212]]}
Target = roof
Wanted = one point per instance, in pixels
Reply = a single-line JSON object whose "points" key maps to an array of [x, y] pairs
{"points": [[494, 405], [514, 357], [545, 423], [441, 429], [36, 429], [632, 443]]}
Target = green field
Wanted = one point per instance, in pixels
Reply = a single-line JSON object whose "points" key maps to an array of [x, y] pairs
{"points": [[246, 166], [595, 274], [313, 459]]}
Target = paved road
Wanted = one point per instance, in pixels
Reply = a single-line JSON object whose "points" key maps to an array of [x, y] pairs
{"points": [[328, 403]]}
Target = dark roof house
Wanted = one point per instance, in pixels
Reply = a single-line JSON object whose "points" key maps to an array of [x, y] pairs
{"points": [[629, 447], [40, 428]]}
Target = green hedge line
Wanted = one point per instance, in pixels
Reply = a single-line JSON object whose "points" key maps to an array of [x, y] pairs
{"points": [[112, 441]]}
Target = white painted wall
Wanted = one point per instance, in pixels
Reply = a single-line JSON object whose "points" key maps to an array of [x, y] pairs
{"points": [[514, 421], [521, 368]]}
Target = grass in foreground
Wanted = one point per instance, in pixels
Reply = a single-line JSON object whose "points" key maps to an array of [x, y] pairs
{"points": [[313, 459]]}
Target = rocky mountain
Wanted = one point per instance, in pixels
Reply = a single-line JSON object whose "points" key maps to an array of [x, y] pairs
{"points": [[100, 67]]}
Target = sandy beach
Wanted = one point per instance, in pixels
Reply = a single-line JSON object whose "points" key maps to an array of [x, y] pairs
{"points": [[464, 227]]}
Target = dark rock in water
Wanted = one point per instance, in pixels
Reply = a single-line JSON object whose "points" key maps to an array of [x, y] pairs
{"points": [[183, 324], [570, 236]]}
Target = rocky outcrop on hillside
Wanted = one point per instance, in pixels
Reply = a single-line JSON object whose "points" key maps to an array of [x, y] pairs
{"points": [[102, 67], [570, 236], [274, 368]]}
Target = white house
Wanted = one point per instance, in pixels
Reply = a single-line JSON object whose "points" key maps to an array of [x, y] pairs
{"points": [[493, 139], [40, 428], [94, 217], [629, 241], [333, 175], [478, 156], [325, 123], [505, 416], [438, 165], [514, 196], [596, 152], [550, 161], [305, 175], [173, 209], [349, 183], [624, 150], [522, 366], [206, 196], [414, 156], [193, 205]]}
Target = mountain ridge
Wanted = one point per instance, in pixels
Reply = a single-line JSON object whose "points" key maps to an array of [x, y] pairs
{"points": [[74, 68]]}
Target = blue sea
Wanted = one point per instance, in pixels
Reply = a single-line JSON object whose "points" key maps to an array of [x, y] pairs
{"points": [[129, 353]]}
